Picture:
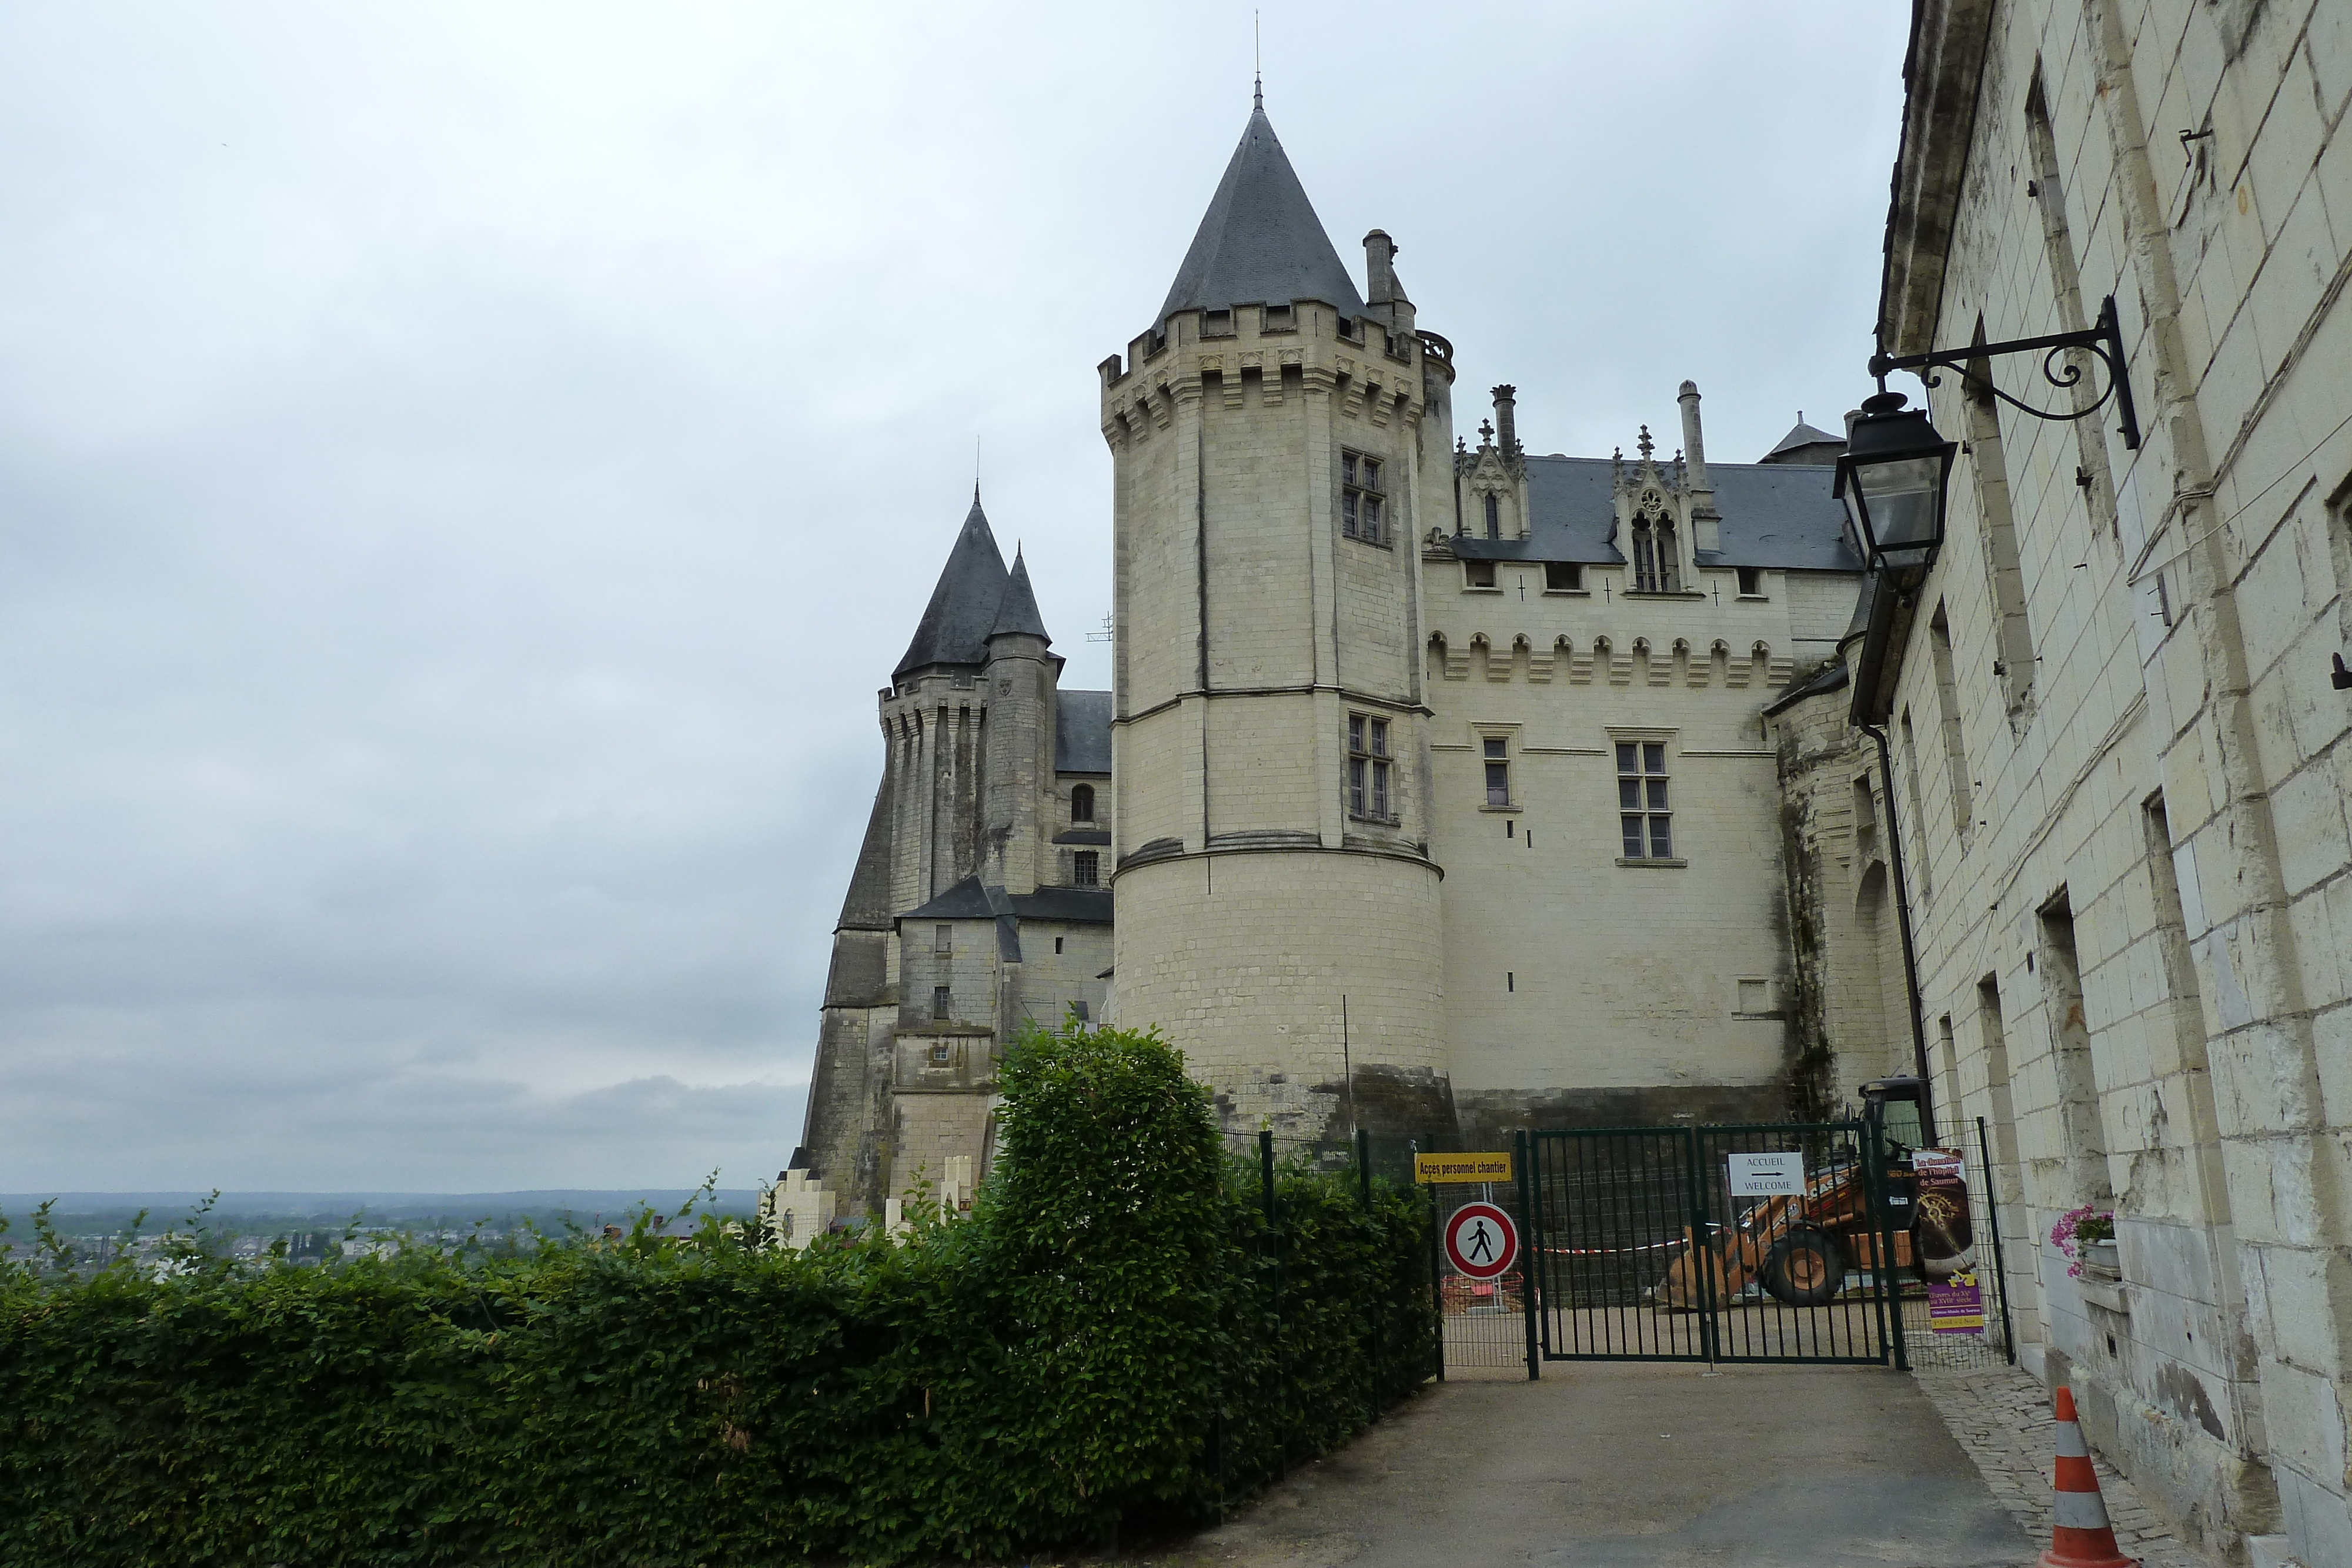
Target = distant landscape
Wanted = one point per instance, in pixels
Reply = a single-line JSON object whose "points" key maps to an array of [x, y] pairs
{"points": [[300, 1216]]}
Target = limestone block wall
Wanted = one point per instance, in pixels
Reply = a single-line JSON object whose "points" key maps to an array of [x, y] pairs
{"points": [[1250, 985], [1051, 980], [1560, 955], [2131, 902]]}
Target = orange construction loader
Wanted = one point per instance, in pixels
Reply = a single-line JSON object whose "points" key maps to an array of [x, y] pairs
{"points": [[1799, 1248]]}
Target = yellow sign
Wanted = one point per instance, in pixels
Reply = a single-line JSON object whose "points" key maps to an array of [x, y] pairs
{"points": [[1461, 1168]]}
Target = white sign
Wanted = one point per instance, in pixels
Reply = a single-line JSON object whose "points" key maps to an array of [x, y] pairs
{"points": [[1769, 1175]]}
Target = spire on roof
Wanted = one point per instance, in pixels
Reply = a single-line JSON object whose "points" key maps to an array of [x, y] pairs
{"points": [[956, 623], [1260, 240], [1018, 612]]}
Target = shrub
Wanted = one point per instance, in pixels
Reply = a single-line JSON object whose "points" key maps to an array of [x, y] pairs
{"points": [[1114, 1335]]}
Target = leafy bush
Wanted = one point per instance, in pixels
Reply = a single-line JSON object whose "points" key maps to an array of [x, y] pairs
{"points": [[1114, 1336]]}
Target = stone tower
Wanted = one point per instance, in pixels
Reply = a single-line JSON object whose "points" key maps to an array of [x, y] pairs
{"points": [[1279, 443], [971, 845]]}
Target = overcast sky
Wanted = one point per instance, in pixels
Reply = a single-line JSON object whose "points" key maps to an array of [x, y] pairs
{"points": [[465, 471]]}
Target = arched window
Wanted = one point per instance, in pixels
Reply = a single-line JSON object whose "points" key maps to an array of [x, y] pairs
{"points": [[1494, 516], [1646, 556], [1082, 804]]}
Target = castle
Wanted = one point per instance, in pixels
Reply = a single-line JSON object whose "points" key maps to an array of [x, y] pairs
{"points": [[1434, 794]]}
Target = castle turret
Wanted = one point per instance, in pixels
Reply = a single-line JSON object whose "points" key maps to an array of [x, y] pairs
{"points": [[1277, 451]]}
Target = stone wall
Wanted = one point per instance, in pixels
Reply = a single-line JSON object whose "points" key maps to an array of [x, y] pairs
{"points": [[2123, 769]]}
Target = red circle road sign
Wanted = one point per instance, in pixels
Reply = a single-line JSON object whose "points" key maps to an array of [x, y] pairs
{"points": [[1481, 1241]]}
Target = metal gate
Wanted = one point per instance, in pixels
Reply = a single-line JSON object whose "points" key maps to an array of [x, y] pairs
{"points": [[1756, 1242]]}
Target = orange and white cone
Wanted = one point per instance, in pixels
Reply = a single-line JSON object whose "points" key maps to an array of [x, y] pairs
{"points": [[2080, 1537]]}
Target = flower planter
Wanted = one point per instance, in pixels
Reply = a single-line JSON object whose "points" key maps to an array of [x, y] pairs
{"points": [[2100, 1262]]}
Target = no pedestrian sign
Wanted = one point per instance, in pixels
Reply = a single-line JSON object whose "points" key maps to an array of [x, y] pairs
{"points": [[1481, 1241]]}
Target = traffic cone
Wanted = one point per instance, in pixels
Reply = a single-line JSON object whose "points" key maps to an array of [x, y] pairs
{"points": [[2080, 1537]]}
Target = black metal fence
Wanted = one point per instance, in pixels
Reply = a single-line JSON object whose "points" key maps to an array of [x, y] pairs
{"points": [[1758, 1242]]}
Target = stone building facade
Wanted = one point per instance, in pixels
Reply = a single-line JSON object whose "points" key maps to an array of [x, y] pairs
{"points": [[978, 901], [1435, 793], [2118, 760]]}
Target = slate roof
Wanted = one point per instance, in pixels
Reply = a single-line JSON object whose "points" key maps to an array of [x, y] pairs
{"points": [[963, 608], [967, 899], [1260, 241], [1776, 514], [1801, 436], [1082, 732]]}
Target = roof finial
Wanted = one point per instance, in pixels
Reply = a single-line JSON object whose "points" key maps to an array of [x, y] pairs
{"points": [[1257, 63], [1644, 443]]}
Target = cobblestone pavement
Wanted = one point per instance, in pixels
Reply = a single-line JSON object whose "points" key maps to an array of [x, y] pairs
{"points": [[2001, 1416]]}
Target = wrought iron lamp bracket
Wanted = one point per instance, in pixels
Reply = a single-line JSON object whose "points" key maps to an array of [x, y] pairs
{"points": [[2104, 340]]}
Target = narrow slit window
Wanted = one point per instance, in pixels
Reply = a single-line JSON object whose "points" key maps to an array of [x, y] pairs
{"points": [[1644, 818], [1368, 767], [1494, 516], [1362, 493]]}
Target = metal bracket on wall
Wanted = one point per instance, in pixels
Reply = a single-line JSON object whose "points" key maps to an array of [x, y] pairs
{"points": [[2104, 340]]}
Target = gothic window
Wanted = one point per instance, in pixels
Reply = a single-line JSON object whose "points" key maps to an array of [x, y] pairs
{"points": [[1656, 560], [1082, 804], [1644, 817], [1086, 868], [1368, 767], [1362, 491], [940, 1002], [1497, 750], [1563, 577], [1494, 516]]}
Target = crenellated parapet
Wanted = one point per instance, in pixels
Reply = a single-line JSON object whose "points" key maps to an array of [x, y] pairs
{"points": [[1257, 356]]}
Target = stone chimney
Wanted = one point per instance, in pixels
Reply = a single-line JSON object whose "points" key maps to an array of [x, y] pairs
{"points": [[1507, 424], [1706, 530], [1384, 296]]}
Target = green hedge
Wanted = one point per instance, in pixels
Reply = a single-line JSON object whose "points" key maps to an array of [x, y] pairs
{"points": [[1113, 1339]]}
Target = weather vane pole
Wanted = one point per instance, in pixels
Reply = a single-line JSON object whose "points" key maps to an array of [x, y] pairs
{"points": [[1257, 62]]}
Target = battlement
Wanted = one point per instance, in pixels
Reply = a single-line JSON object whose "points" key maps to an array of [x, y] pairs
{"points": [[1276, 352]]}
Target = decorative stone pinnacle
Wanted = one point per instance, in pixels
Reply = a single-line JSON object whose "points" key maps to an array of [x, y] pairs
{"points": [[1644, 443], [1485, 434]]}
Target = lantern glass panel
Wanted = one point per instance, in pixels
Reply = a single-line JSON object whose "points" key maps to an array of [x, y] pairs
{"points": [[1901, 496]]}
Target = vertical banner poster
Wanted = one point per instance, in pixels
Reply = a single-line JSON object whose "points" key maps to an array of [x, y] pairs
{"points": [[1947, 1243]]}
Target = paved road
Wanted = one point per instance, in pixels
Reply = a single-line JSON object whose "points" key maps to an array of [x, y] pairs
{"points": [[1613, 1465]]}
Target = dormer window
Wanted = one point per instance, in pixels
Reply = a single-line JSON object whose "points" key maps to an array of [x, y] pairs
{"points": [[1082, 804], [1657, 560], [1362, 492]]}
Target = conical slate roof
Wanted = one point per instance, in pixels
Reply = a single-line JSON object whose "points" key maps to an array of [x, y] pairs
{"points": [[962, 611], [1260, 241], [1018, 612]]}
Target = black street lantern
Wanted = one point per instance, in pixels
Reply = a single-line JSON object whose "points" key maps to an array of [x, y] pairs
{"points": [[1892, 481]]}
